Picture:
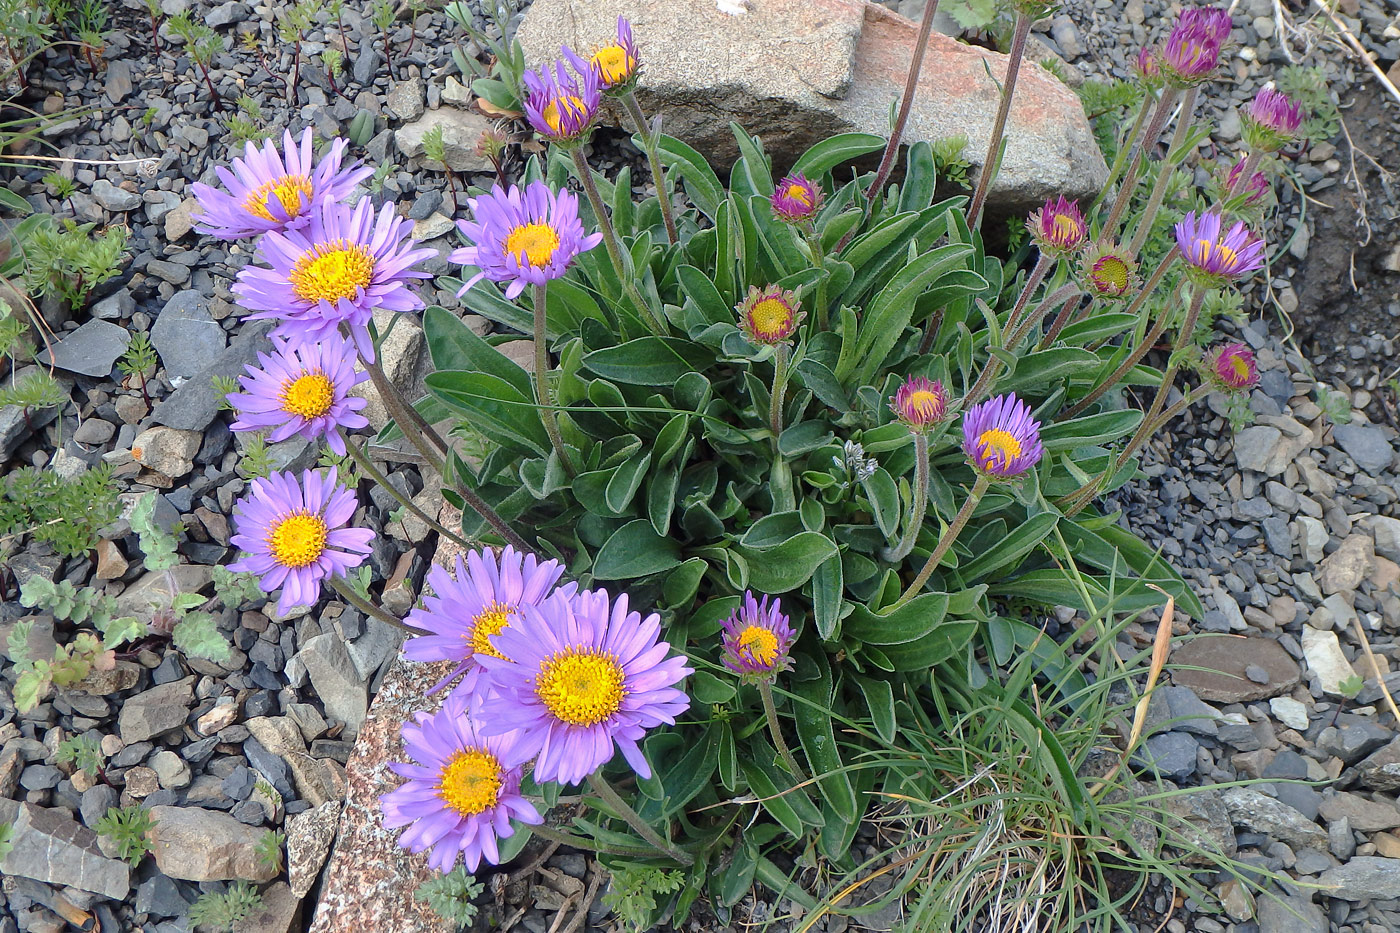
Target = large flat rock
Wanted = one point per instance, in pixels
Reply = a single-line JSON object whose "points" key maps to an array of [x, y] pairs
{"points": [[794, 72]]}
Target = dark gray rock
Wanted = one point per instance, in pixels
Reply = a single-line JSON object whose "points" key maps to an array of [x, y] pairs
{"points": [[226, 14], [159, 896], [92, 349], [1367, 444], [1173, 754], [157, 711], [113, 198], [50, 846], [1381, 771], [40, 777], [1364, 878], [186, 335], [97, 800], [1294, 913], [192, 406]]}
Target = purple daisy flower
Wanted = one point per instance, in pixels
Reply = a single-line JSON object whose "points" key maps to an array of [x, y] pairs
{"points": [[1233, 367], [337, 270], [585, 674], [757, 638], [1059, 227], [271, 190], [614, 64], [302, 390], [561, 106], [1000, 438], [1214, 259], [919, 403], [295, 536], [524, 238], [1256, 186], [464, 614], [1272, 121], [462, 792], [1192, 50], [796, 199]]}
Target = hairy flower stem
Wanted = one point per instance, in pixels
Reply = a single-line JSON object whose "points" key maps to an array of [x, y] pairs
{"points": [[1011, 333], [651, 141], [1127, 145], [542, 394], [366, 465], [946, 542], [1159, 188], [1251, 164], [545, 831], [614, 800], [1149, 138], [775, 401], [906, 103], [368, 608], [989, 165], [600, 211], [770, 712], [411, 417], [1066, 310], [916, 516], [1135, 357]]}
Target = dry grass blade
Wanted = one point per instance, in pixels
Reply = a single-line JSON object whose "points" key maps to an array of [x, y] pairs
{"points": [[1359, 49], [1375, 667]]}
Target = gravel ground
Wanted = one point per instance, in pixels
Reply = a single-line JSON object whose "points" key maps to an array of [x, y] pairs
{"points": [[1284, 549]]}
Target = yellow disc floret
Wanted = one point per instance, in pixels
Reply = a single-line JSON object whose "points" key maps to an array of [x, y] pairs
{"points": [[997, 446], [298, 539], [491, 620], [760, 643], [1063, 229], [293, 192], [581, 686], [614, 64], [560, 107], [470, 781], [1240, 368], [770, 317], [925, 403], [309, 395], [533, 243], [332, 271], [799, 193], [1110, 274]]}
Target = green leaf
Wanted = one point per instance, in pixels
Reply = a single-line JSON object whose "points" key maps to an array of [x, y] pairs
{"points": [[884, 500], [635, 550], [661, 497], [683, 583], [1049, 368], [804, 437], [648, 361], [455, 346], [834, 150], [1009, 550], [701, 182], [700, 288], [494, 407], [120, 631], [707, 688], [789, 565], [824, 384], [827, 587], [819, 744], [946, 641], [1089, 430], [909, 622], [920, 177], [879, 699], [198, 635], [625, 482]]}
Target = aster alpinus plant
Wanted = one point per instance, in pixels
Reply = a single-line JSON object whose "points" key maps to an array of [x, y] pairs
{"points": [[821, 446]]}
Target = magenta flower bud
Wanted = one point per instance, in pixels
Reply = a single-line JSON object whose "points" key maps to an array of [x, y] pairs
{"points": [[1148, 67], [1192, 50], [1059, 227], [919, 403], [769, 316], [1215, 259], [757, 639], [1272, 121], [796, 199], [561, 106], [1000, 438], [1106, 272], [1233, 368], [1256, 186]]}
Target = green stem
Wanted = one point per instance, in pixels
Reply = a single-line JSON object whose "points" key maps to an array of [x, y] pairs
{"points": [[1063, 293], [600, 211], [944, 543], [543, 396], [366, 465], [650, 141], [1124, 148], [613, 799], [1125, 192], [1012, 328], [814, 240], [368, 608], [409, 415], [906, 103], [1164, 174], [775, 401], [916, 517], [989, 165], [545, 831], [1061, 319], [765, 690]]}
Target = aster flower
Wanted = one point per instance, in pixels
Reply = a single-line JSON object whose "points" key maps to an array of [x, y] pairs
{"points": [[522, 238], [1272, 121], [1000, 438], [585, 674], [268, 190], [1147, 67], [1107, 272], [463, 789], [1233, 368], [757, 638], [1214, 259], [1192, 50], [1058, 228], [465, 613], [769, 316], [337, 270], [295, 536], [613, 63], [561, 106], [919, 403], [1256, 186], [302, 390], [797, 199]]}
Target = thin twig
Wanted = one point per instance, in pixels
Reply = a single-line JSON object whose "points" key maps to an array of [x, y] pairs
{"points": [[1375, 667], [1359, 49]]}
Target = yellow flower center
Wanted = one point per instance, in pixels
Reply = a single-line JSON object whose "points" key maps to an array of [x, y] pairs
{"points": [[486, 623], [298, 540], [614, 64], [470, 781], [1110, 274], [770, 317], [533, 243], [997, 446], [761, 644], [799, 193], [1063, 229], [293, 192], [560, 107], [309, 395], [1240, 368], [332, 271], [923, 403], [581, 686], [1226, 257]]}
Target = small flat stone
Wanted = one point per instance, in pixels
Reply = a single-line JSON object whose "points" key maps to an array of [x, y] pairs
{"points": [[114, 199], [1367, 444], [1290, 712], [1324, 657], [1257, 674], [92, 349], [186, 335], [156, 711], [1257, 812], [1363, 878], [1367, 816], [1224, 661]]}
